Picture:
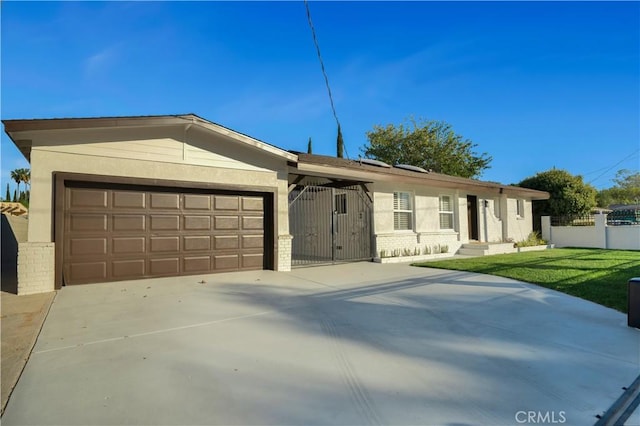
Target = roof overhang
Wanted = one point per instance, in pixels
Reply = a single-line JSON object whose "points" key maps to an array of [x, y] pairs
{"points": [[15, 128], [332, 168]]}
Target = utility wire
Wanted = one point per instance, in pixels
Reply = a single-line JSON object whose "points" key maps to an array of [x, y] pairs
{"points": [[610, 168], [324, 71]]}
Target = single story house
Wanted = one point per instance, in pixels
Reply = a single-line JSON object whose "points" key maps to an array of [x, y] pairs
{"points": [[119, 198]]}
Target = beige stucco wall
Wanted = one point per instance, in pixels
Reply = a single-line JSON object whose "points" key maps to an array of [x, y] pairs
{"points": [[167, 158], [170, 153], [426, 230], [519, 227], [496, 222], [489, 218]]}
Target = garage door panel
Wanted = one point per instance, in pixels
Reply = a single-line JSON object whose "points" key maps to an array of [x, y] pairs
{"points": [[224, 202], [200, 242], [165, 244], [160, 201], [226, 223], [197, 264], [252, 261], [252, 241], [165, 223], [197, 202], [166, 266], [252, 222], [128, 268], [88, 271], [129, 199], [87, 246], [128, 245], [252, 204], [118, 232], [88, 222], [226, 262], [197, 223], [133, 223], [92, 198], [226, 242]]}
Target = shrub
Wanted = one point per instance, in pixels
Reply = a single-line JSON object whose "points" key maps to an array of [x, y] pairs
{"points": [[534, 239]]}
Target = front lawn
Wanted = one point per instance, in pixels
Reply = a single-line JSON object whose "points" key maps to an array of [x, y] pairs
{"points": [[592, 274]]}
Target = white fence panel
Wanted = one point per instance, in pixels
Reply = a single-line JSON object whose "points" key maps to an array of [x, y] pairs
{"points": [[623, 237]]}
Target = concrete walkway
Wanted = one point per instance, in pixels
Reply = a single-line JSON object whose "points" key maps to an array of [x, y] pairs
{"points": [[22, 319], [346, 344]]}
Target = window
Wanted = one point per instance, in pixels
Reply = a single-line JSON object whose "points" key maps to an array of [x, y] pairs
{"points": [[402, 211], [446, 212], [340, 201], [520, 208]]}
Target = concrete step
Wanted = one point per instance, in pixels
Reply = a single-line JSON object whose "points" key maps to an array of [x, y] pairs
{"points": [[475, 251], [484, 249]]}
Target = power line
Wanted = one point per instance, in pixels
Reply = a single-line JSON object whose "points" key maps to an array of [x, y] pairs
{"points": [[619, 162], [324, 71]]}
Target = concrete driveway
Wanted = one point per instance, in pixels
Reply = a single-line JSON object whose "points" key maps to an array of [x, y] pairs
{"points": [[346, 344]]}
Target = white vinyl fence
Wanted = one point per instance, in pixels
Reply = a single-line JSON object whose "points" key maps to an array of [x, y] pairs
{"points": [[595, 234]]}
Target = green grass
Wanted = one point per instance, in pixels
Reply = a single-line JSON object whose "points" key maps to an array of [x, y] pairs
{"points": [[597, 275]]}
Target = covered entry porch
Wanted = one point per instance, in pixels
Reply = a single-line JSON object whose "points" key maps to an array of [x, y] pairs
{"points": [[329, 219]]}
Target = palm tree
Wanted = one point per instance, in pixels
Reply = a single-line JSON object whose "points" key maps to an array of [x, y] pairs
{"points": [[25, 177], [17, 176]]}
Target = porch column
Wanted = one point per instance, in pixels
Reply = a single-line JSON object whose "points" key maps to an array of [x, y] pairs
{"points": [[504, 216]]}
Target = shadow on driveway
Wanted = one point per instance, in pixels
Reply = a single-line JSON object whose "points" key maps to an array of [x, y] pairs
{"points": [[343, 344]]}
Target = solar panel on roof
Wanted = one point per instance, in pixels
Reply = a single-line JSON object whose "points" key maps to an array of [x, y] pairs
{"points": [[410, 167], [376, 163]]}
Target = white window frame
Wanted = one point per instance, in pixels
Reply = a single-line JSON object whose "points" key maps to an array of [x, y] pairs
{"points": [[520, 208], [447, 212], [410, 211]]}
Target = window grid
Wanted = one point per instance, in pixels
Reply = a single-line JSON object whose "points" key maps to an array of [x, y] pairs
{"points": [[446, 212], [402, 211]]}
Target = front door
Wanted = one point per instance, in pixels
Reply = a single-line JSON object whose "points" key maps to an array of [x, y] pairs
{"points": [[472, 216]]}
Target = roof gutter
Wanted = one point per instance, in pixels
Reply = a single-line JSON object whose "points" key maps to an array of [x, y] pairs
{"points": [[440, 181]]}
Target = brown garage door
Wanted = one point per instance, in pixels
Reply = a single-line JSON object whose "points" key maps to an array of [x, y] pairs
{"points": [[122, 232]]}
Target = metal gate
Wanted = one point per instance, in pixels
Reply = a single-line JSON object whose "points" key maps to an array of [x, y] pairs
{"points": [[329, 224]]}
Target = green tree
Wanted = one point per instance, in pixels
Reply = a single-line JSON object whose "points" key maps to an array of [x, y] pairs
{"points": [[432, 145], [7, 197], [569, 195], [16, 175], [25, 177], [625, 191], [309, 148], [340, 144], [15, 195]]}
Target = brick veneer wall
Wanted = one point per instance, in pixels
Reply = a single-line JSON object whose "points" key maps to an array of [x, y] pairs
{"points": [[413, 240], [36, 268], [284, 252]]}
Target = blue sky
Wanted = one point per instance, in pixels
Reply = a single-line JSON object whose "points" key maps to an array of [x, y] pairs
{"points": [[535, 84]]}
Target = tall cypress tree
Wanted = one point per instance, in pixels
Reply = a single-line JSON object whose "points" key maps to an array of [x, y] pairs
{"points": [[7, 197], [309, 149], [15, 195], [340, 143]]}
